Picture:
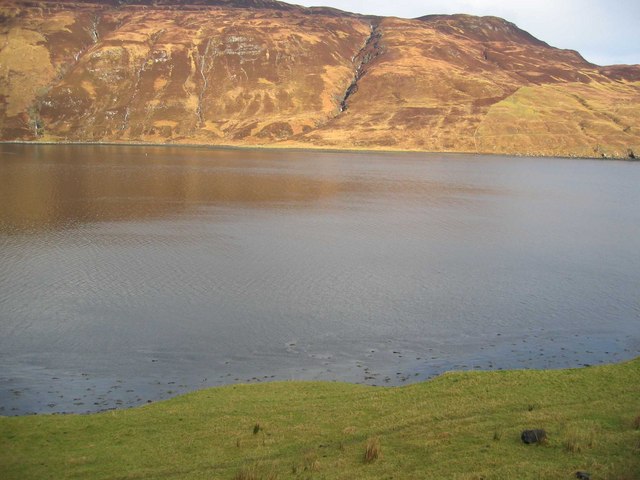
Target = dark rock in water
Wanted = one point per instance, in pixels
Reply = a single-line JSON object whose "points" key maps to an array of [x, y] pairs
{"points": [[583, 475], [533, 436]]}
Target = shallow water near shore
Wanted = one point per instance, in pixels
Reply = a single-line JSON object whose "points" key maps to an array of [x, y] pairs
{"points": [[130, 274]]}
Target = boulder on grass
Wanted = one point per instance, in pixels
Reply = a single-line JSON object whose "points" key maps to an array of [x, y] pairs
{"points": [[533, 436]]}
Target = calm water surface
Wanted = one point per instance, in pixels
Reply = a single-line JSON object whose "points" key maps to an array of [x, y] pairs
{"points": [[131, 274]]}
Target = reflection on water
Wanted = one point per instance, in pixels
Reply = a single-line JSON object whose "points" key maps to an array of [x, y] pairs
{"points": [[130, 274], [64, 186]]}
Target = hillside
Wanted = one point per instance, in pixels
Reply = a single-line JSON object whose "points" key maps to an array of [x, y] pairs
{"points": [[266, 73]]}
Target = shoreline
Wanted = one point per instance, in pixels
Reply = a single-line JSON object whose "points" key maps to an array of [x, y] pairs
{"points": [[155, 377], [275, 382], [316, 148], [321, 430]]}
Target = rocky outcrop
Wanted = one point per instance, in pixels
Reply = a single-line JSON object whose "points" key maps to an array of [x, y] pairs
{"points": [[263, 72]]}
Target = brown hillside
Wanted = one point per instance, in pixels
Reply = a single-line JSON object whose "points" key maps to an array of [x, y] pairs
{"points": [[263, 72]]}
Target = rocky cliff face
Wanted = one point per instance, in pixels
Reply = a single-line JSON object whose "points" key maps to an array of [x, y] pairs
{"points": [[262, 72]]}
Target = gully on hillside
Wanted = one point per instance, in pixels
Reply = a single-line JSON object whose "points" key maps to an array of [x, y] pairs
{"points": [[372, 49]]}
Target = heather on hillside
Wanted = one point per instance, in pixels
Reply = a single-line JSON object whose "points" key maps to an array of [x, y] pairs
{"points": [[266, 73]]}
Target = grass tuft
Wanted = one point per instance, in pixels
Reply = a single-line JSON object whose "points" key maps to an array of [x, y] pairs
{"points": [[247, 473], [579, 438], [252, 472], [373, 450], [572, 444], [311, 462], [256, 429]]}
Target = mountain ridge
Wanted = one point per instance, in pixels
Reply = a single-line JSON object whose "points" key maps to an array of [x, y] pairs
{"points": [[268, 73]]}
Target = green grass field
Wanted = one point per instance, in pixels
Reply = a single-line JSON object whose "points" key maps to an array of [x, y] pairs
{"points": [[459, 426]]}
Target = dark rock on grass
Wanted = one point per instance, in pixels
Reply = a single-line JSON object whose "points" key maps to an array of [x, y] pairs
{"points": [[533, 436], [583, 475]]}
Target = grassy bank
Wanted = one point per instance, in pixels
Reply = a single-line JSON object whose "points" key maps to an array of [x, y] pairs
{"points": [[459, 426]]}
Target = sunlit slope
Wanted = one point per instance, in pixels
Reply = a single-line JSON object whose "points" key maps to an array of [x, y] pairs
{"points": [[258, 72], [587, 119], [214, 75], [464, 83]]}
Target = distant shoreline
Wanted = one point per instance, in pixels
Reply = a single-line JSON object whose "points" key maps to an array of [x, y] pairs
{"points": [[314, 148]]}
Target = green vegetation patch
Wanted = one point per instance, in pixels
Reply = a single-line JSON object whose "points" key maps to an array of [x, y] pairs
{"points": [[459, 426]]}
